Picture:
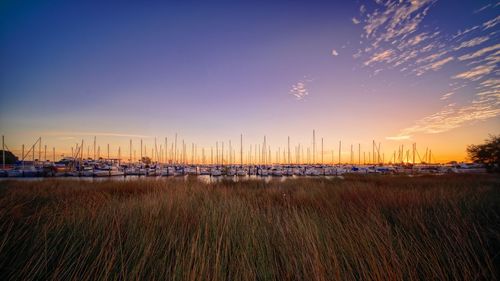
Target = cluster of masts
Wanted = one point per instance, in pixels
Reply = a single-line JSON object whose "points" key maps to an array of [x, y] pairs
{"points": [[176, 152], [258, 161]]}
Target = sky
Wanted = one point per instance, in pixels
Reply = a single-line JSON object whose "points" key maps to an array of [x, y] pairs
{"points": [[397, 72]]}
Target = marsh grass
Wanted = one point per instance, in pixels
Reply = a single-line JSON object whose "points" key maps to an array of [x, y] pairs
{"points": [[360, 228]]}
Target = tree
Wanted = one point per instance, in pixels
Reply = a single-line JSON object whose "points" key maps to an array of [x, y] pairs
{"points": [[146, 160], [10, 158], [487, 153]]}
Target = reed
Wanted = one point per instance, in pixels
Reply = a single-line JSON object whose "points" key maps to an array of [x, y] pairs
{"points": [[359, 228]]}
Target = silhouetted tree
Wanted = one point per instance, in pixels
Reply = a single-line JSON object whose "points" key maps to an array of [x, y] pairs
{"points": [[146, 160], [10, 158], [487, 153]]}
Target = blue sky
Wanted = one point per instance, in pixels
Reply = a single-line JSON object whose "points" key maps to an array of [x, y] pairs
{"points": [[210, 71]]}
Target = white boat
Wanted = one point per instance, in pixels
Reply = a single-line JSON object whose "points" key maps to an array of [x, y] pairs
{"points": [[263, 172], [215, 172], [130, 171], [190, 170], [107, 171], [27, 171], [168, 172], [87, 171], [327, 171], [298, 171], [180, 171], [14, 173], [276, 172], [152, 172], [312, 171], [241, 172], [204, 171], [230, 172], [252, 171], [288, 171]]}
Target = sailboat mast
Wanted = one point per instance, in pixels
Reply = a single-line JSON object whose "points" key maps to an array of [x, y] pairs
{"points": [[359, 154], [288, 150], [314, 147], [40, 150], [340, 151], [322, 152], [175, 149], [3, 152]]}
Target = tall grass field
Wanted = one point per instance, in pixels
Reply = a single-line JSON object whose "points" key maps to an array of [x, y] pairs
{"points": [[358, 228]]}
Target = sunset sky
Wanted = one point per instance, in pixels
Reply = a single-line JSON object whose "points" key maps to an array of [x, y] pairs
{"points": [[396, 72]]}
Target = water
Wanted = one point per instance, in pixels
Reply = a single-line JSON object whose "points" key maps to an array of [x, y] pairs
{"points": [[202, 178]]}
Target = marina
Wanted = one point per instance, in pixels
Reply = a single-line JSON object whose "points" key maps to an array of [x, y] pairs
{"points": [[260, 164]]}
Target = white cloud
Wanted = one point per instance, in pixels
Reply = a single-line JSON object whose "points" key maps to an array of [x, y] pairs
{"points": [[482, 8], [491, 23], [432, 57], [471, 43], [433, 66], [480, 52], [451, 117], [299, 90], [355, 21], [447, 96], [394, 36], [398, 19], [334, 52], [475, 73], [491, 83], [461, 33], [379, 57], [362, 9]]}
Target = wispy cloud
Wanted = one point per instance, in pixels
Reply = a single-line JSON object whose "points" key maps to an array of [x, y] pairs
{"points": [[394, 38], [299, 90], [491, 23], [380, 57], [433, 66], [431, 58], [475, 73], [480, 53], [482, 8], [398, 18], [471, 43], [461, 33], [493, 83], [447, 95], [452, 117]]}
